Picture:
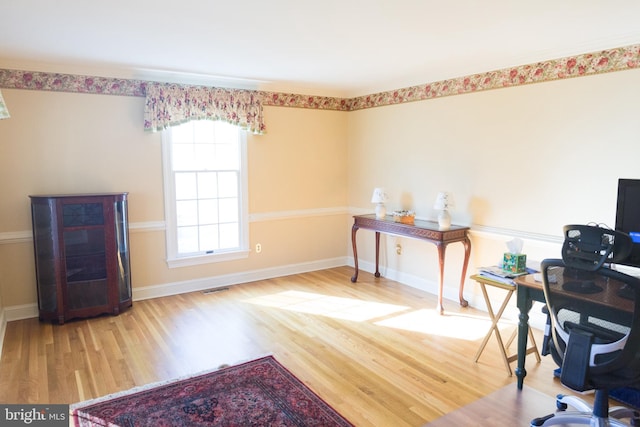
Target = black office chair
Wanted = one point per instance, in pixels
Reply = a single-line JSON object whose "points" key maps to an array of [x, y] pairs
{"points": [[595, 324]]}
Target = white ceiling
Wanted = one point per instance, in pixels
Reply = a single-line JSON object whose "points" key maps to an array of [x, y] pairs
{"points": [[321, 47]]}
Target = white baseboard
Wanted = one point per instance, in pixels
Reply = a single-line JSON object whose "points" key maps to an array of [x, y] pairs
{"points": [[176, 288], [19, 312]]}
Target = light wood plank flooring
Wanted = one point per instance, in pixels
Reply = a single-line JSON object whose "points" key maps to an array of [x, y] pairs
{"points": [[375, 350]]}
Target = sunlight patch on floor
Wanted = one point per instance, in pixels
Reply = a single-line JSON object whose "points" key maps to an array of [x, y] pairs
{"points": [[452, 325], [325, 305]]}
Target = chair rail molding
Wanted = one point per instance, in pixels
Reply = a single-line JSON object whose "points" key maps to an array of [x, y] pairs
{"points": [[24, 236]]}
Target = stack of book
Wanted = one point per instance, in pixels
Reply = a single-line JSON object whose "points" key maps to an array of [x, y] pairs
{"points": [[497, 274]]}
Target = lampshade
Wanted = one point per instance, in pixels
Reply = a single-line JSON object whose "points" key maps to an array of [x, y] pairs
{"points": [[4, 113], [444, 201], [379, 196]]}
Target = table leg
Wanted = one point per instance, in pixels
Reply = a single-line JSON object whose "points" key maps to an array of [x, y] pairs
{"points": [[441, 250], [354, 229], [467, 252], [524, 305], [495, 318], [377, 273]]}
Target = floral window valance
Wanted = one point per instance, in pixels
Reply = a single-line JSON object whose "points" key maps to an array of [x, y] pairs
{"points": [[171, 104]]}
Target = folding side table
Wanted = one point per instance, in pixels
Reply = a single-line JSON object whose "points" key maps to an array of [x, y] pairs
{"points": [[495, 318]]}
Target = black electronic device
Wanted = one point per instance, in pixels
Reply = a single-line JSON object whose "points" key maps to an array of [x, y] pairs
{"points": [[628, 217]]}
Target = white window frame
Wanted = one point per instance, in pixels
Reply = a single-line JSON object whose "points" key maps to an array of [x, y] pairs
{"points": [[173, 258]]}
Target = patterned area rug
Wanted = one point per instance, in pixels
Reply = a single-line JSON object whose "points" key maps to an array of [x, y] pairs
{"points": [[257, 393]]}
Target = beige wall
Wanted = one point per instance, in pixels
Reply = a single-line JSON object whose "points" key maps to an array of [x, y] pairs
{"points": [[72, 143], [520, 161], [528, 158]]}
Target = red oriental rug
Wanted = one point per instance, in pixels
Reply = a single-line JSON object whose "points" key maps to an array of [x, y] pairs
{"points": [[257, 393]]}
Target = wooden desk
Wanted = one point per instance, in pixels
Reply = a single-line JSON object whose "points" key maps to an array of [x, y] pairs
{"points": [[528, 290], [495, 318], [423, 230]]}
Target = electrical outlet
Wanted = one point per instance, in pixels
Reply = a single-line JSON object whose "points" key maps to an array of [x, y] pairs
{"points": [[258, 248], [399, 249]]}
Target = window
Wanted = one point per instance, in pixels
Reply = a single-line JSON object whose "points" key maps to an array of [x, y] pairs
{"points": [[205, 192]]}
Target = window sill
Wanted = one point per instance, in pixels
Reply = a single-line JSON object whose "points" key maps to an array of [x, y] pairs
{"points": [[207, 259]]}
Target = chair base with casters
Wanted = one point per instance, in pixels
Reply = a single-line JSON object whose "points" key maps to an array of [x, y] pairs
{"points": [[599, 415]]}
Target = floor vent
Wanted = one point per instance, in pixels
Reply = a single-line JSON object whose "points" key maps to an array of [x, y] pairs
{"points": [[211, 291]]}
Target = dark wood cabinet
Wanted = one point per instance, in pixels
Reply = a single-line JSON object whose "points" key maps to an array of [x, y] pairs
{"points": [[81, 245]]}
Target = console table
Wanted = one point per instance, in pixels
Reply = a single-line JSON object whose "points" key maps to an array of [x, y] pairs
{"points": [[423, 230]]}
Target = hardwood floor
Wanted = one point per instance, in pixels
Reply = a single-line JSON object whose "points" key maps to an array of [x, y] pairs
{"points": [[375, 350]]}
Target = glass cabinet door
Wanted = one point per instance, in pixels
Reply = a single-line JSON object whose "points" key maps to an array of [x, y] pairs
{"points": [[85, 255], [44, 241], [122, 250]]}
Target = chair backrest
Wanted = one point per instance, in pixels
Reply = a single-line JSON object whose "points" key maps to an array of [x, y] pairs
{"points": [[588, 247], [594, 309]]}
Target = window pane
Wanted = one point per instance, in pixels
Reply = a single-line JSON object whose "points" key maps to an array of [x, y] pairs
{"points": [[204, 131], [187, 212], [182, 133], [208, 211], [209, 238], [186, 187], [228, 210], [206, 156], [229, 236], [226, 132], [227, 184], [207, 185], [227, 156], [183, 158], [188, 239]]}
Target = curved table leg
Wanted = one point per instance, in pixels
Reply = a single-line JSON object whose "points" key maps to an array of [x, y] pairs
{"points": [[354, 229], [377, 273], [441, 251], [467, 252]]}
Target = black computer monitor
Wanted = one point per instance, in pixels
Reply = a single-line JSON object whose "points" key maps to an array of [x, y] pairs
{"points": [[628, 217]]}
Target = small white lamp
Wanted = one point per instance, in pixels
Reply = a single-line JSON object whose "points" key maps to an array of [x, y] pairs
{"points": [[4, 113], [444, 201], [379, 197]]}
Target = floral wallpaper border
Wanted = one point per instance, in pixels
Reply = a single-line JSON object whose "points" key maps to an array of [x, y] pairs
{"points": [[36, 80], [617, 59]]}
